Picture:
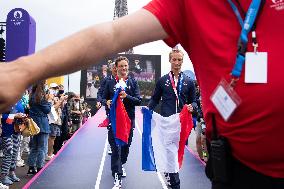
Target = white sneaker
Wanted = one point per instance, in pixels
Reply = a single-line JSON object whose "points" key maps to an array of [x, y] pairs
{"points": [[49, 157], [123, 172], [2, 186], [117, 182], [1, 154], [109, 151], [167, 177]]}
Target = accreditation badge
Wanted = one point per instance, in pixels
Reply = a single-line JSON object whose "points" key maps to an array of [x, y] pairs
{"points": [[256, 67], [225, 99]]}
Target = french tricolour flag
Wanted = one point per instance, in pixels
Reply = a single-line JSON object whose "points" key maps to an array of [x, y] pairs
{"points": [[10, 119], [120, 122], [163, 140]]}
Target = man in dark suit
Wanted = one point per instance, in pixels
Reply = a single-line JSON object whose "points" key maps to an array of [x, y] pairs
{"points": [[131, 98], [176, 90], [100, 93], [103, 85]]}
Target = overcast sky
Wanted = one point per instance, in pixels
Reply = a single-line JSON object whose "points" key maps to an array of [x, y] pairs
{"points": [[56, 19]]}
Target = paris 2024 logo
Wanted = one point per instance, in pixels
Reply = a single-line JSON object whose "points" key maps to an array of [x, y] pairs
{"points": [[277, 4]]}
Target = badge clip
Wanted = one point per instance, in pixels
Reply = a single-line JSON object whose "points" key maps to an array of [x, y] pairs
{"points": [[233, 81], [254, 41], [255, 46]]}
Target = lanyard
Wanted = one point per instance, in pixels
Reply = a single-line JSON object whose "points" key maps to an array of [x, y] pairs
{"points": [[180, 80], [247, 25], [237, 13]]}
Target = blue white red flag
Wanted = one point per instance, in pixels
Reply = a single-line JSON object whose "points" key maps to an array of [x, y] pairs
{"points": [[120, 122], [163, 140], [10, 119]]}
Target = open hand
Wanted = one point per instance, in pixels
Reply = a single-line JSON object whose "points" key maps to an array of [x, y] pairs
{"points": [[108, 103], [190, 107]]}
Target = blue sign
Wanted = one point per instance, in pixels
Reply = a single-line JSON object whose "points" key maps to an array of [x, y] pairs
{"points": [[20, 34]]}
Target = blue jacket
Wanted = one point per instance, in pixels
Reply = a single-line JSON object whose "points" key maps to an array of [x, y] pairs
{"points": [[133, 95], [102, 88], [8, 129], [165, 91], [38, 113], [101, 92]]}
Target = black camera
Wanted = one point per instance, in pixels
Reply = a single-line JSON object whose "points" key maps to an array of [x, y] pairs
{"points": [[221, 160]]}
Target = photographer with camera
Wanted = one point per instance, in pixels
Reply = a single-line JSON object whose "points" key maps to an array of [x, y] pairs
{"points": [[75, 110], [39, 108]]}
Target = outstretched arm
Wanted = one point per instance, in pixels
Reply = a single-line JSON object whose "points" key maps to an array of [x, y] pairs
{"points": [[77, 52]]}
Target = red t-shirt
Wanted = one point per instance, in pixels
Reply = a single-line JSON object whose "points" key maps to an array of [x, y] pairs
{"points": [[209, 30]]}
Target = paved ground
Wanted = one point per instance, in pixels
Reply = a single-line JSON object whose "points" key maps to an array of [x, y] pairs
{"points": [[21, 171]]}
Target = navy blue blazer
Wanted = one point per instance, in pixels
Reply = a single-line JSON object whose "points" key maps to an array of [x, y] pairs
{"points": [[102, 88], [165, 92], [38, 113], [132, 98]]}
